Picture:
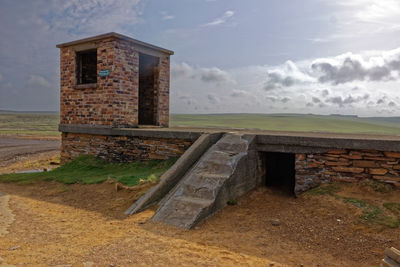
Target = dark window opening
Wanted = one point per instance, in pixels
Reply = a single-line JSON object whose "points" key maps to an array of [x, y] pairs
{"points": [[148, 89], [280, 171], [86, 67]]}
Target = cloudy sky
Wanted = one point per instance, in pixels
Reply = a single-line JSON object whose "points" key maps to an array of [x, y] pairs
{"points": [[255, 56]]}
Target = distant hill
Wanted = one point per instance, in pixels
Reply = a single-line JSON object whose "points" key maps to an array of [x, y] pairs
{"points": [[334, 123], [46, 122]]}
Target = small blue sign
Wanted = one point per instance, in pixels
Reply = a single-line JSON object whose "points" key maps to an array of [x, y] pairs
{"points": [[104, 73]]}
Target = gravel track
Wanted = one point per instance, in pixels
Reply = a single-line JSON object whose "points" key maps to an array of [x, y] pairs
{"points": [[13, 148]]}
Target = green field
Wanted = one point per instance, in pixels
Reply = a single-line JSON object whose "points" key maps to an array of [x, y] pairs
{"points": [[292, 122], [45, 124], [38, 124]]}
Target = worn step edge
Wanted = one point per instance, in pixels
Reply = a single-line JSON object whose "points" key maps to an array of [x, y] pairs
{"points": [[393, 253], [174, 174], [195, 200]]}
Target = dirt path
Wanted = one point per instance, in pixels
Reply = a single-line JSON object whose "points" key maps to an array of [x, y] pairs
{"points": [[51, 224], [13, 149], [59, 224]]}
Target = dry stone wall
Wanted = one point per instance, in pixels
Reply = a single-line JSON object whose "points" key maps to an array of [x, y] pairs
{"points": [[121, 148], [346, 166]]}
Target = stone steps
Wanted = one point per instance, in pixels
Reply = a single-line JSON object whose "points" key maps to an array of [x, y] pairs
{"points": [[220, 175]]}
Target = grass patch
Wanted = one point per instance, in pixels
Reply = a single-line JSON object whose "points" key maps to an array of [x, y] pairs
{"points": [[356, 202], [324, 189], [91, 170], [377, 186], [393, 207], [371, 214]]}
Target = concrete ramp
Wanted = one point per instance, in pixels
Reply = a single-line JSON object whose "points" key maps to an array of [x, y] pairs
{"points": [[171, 177], [226, 171]]}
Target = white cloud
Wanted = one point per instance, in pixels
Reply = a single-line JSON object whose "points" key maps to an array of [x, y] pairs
{"points": [[239, 93], [166, 16], [214, 75], [89, 16], [181, 70], [208, 75], [361, 24], [221, 20], [372, 10], [365, 84], [213, 99], [37, 81]]}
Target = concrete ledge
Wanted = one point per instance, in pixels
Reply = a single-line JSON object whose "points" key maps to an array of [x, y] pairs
{"points": [[106, 130], [289, 148], [278, 142], [301, 144], [174, 174]]}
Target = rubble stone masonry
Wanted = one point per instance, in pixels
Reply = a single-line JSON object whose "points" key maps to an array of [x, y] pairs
{"points": [[121, 148], [347, 166]]}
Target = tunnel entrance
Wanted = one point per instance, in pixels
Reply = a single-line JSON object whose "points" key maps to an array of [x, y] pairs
{"points": [[280, 171]]}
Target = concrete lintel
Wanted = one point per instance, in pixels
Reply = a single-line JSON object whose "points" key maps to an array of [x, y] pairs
{"points": [[332, 143], [289, 148], [106, 130]]}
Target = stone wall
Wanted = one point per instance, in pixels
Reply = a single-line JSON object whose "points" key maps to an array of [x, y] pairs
{"points": [[121, 148], [346, 165]]}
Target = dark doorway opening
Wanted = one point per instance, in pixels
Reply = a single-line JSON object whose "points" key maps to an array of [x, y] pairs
{"points": [[280, 171], [148, 82]]}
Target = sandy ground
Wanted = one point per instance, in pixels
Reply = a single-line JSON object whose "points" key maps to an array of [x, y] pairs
{"points": [[49, 224]]}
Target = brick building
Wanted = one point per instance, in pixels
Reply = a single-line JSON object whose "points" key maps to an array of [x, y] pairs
{"points": [[112, 80]]}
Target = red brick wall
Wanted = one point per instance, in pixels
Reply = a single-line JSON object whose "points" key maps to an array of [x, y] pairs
{"points": [[87, 105], [114, 102], [163, 92]]}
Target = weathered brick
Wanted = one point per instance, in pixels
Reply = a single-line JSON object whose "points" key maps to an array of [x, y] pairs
{"points": [[392, 154], [378, 171], [312, 165], [346, 179], [337, 163], [348, 169], [300, 156], [387, 178], [364, 163], [341, 151], [376, 158], [356, 156]]}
